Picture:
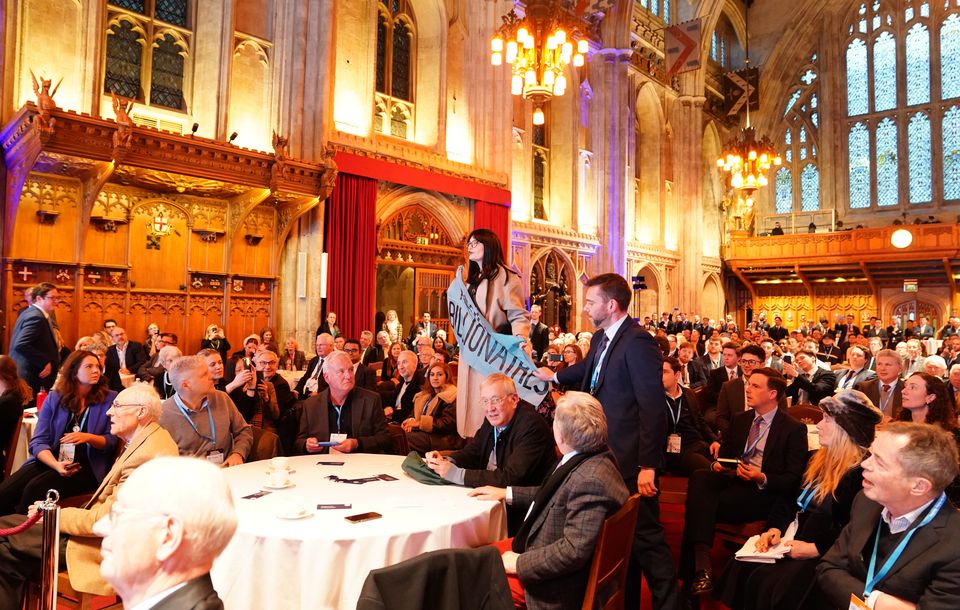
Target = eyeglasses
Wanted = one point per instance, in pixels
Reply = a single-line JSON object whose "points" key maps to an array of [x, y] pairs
{"points": [[113, 516], [117, 406], [351, 350], [750, 362], [473, 243], [496, 401]]}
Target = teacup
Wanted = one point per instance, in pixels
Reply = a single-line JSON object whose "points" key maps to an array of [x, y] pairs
{"points": [[278, 478], [296, 505], [279, 463]]}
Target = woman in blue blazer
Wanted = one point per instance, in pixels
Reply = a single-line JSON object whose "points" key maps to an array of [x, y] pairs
{"points": [[72, 448]]}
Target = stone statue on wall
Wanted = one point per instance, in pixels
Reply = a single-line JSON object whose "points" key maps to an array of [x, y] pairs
{"points": [[45, 103], [121, 109], [279, 157]]}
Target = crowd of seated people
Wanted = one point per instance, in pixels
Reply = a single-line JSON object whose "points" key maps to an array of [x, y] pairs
{"points": [[725, 425]]}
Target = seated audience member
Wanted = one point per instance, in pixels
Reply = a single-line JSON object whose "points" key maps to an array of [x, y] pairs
{"points": [[913, 360], [292, 358], [829, 353], [425, 355], [250, 346], [856, 372], [343, 413], [441, 356], [885, 390], [215, 366], [71, 448], [363, 377], [684, 424], [288, 422], [410, 378], [161, 380], [936, 366], [256, 399], [313, 381], [513, 446], [953, 384], [122, 357], [552, 358], [691, 374], [728, 371], [926, 400], [807, 382], [150, 340], [180, 517], [152, 367], [770, 449], [202, 420], [832, 480], [215, 338], [338, 342], [268, 340], [383, 345], [572, 354], [548, 561], [370, 352], [133, 418], [433, 425], [712, 359], [15, 396], [388, 372], [902, 513], [732, 399]]}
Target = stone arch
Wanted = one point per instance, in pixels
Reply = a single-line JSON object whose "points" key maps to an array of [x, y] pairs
{"points": [[712, 191], [648, 220], [435, 203], [167, 202], [712, 299], [648, 302], [556, 292]]}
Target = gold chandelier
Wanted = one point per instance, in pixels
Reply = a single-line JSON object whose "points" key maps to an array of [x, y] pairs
{"points": [[539, 47]]}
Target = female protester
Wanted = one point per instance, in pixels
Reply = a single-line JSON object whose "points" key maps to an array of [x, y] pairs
{"points": [[216, 339], [150, 344], [72, 447], [433, 426], [926, 399], [268, 340], [498, 294], [393, 326], [832, 479], [15, 394], [292, 358]]}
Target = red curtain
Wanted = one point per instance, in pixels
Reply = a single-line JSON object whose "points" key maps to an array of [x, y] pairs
{"points": [[351, 248], [495, 217]]}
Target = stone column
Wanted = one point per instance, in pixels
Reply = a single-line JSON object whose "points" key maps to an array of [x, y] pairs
{"points": [[688, 181]]}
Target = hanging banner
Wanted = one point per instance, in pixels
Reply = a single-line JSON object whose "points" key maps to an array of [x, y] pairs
{"points": [[681, 44], [741, 86], [486, 351]]}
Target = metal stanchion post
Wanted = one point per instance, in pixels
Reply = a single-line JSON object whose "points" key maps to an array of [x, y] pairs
{"points": [[50, 551]]}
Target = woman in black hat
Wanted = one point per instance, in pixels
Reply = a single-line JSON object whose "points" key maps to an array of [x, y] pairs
{"points": [[832, 480]]}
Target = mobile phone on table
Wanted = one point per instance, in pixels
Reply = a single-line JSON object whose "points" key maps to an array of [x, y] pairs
{"points": [[363, 517]]}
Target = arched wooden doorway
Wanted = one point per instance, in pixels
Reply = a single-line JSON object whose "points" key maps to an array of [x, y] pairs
{"points": [[551, 283], [912, 309], [416, 260]]}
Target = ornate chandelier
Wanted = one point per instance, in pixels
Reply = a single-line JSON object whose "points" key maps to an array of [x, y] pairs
{"points": [[539, 47]]}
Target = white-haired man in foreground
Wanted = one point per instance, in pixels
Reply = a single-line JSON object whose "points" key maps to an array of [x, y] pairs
{"points": [[172, 518]]}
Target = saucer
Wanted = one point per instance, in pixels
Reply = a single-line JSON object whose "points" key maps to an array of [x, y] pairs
{"points": [[288, 485], [287, 470], [293, 516]]}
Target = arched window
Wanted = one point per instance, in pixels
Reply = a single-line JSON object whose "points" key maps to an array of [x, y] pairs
{"points": [[147, 51], [541, 167], [797, 182], [660, 8], [396, 46], [893, 50]]}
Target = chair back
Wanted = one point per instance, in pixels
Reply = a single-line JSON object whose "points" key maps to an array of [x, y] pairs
{"points": [[399, 437], [11, 448], [806, 414], [611, 557], [266, 445]]}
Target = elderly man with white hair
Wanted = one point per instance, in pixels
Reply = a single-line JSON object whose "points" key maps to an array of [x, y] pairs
{"points": [[161, 381], [202, 420], [133, 418], [936, 366], [170, 521]]}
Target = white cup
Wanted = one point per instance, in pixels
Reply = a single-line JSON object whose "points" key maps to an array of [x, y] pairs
{"points": [[277, 478], [279, 463], [296, 505]]}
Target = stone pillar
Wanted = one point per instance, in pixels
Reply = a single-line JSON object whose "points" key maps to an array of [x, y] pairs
{"points": [[688, 181], [609, 132]]}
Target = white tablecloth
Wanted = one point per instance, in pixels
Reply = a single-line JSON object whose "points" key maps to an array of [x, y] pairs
{"points": [[22, 452], [292, 377], [322, 561]]}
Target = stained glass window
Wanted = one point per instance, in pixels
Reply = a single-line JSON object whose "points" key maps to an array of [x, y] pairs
{"points": [[381, 53], [137, 6], [858, 147], [660, 8], [951, 153], [886, 157], [539, 183], [393, 73], [856, 77], [172, 11], [783, 184], [167, 76], [400, 78], [793, 100], [950, 56], [123, 61], [918, 65], [884, 72], [919, 159], [810, 188]]}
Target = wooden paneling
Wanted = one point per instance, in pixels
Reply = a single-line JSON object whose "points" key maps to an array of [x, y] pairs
{"points": [[54, 238], [247, 315], [254, 243]]}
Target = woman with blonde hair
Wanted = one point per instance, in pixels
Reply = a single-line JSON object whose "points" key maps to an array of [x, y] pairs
{"points": [[832, 479], [433, 426], [214, 338], [393, 326]]}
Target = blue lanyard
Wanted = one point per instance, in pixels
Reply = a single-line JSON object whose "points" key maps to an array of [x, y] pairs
{"points": [[872, 580], [213, 430], [675, 415], [805, 496], [83, 421]]}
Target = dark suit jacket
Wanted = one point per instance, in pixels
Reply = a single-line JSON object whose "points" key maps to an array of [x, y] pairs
{"points": [[406, 401], [927, 573], [864, 375], [539, 338], [366, 421], [197, 594], [630, 388], [843, 332], [784, 454], [553, 568], [418, 329], [715, 380], [872, 389], [311, 369], [325, 328], [732, 402], [777, 333], [365, 378], [33, 346], [372, 354], [135, 356], [820, 386]]}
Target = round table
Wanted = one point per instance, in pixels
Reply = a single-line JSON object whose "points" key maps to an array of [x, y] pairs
{"points": [[25, 433], [321, 561]]}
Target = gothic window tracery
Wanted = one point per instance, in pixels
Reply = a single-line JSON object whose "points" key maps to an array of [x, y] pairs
{"points": [[541, 168], [396, 49], [797, 181], [660, 8], [550, 279]]}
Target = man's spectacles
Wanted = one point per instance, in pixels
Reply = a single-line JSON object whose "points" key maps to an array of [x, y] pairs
{"points": [[750, 362], [117, 405], [113, 517], [351, 350], [496, 401]]}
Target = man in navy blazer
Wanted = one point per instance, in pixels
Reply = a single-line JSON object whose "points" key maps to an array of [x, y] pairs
{"points": [[133, 358], [33, 346], [623, 369]]}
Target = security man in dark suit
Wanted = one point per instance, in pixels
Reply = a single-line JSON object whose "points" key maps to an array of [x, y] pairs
{"points": [[33, 344], [539, 333]]}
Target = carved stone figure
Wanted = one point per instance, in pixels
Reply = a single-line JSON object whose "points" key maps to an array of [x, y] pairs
{"points": [[45, 103]]}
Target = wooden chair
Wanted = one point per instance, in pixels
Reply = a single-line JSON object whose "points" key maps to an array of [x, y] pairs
{"points": [[399, 437], [608, 571], [11, 448], [673, 489], [266, 445], [68, 597]]}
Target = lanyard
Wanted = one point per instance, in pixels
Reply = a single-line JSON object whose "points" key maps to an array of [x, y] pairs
{"points": [[339, 411], [675, 416], [872, 580], [884, 403], [83, 421], [213, 431], [805, 496], [753, 447]]}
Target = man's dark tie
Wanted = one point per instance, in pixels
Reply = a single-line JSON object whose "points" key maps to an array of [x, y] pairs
{"points": [[601, 347], [753, 437]]}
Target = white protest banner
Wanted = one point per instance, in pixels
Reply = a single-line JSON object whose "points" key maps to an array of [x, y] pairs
{"points": [[486, 351]]}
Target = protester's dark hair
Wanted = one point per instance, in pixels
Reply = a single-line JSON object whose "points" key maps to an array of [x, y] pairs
{"points": [[493, 259]]}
